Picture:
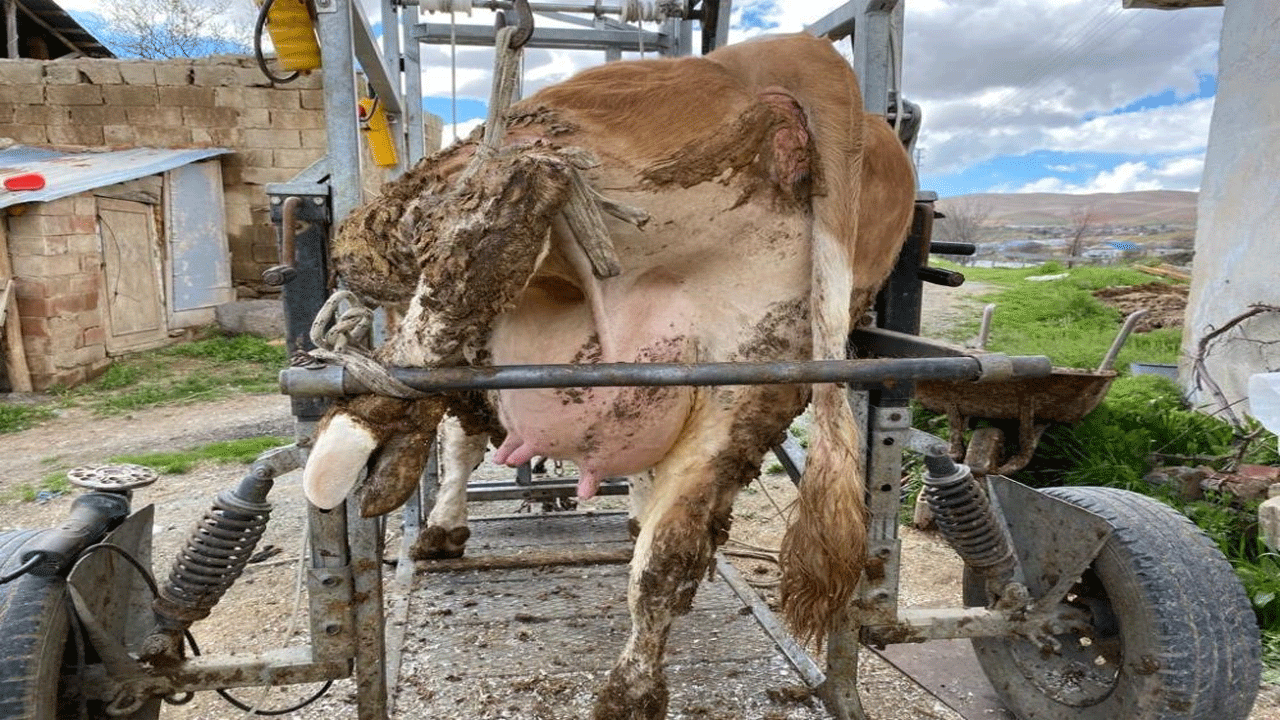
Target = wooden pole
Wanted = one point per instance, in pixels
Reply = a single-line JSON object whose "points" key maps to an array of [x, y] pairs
{"points": [[11, 25], [15, 360]]}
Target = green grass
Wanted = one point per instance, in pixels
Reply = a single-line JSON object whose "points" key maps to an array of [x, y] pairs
{"points": [[210, 368], [55, 482], [206, 369], [1062, 319], [20, 417], [242, 451]]}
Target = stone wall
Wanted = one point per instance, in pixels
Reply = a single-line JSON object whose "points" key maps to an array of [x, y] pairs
{"points": [[1239, 199], [222, 101]]}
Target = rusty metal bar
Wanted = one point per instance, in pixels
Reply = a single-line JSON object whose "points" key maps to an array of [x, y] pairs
{"points": [[284, 666], [335, 381], [923, 624], [329, 586], [799, 658], [538, 490], [365, 541]]}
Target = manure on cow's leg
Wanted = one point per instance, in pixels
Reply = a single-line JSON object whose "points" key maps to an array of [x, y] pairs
{"points": [[446, 533], [396, 472], [436, 543], [349, 435], [673, 551], [632, 693]]}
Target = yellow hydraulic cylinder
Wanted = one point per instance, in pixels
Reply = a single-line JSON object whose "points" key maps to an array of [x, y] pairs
{"points": [[294, 36], [378, 132]]}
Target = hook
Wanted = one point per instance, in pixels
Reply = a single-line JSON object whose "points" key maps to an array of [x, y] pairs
{"points": [[524, 24]]}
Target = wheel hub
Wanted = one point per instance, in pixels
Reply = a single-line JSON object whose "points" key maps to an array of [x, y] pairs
{"points": [[119, 477]]}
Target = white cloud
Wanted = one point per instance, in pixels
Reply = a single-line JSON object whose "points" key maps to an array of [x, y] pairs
{"points": [[1181, 173], [994, 78], [450, 132]]}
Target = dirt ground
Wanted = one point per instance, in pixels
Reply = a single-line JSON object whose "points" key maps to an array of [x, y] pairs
{"points": [[1165, 303], [264, 610]]}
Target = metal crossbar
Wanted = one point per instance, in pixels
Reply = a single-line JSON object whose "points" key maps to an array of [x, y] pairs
{"points": [[334, 381]]}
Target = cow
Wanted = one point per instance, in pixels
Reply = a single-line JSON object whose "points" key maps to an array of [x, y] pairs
{"points": [[773, 209]]}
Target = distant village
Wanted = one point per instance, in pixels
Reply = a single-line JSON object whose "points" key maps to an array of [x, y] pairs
{"points": [[1073, 235], [1106, 244]]}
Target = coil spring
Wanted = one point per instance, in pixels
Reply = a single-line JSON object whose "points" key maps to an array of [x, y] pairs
{"points": [[965, 518], [216, 553]]}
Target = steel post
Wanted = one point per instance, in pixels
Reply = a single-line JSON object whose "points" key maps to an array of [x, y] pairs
{"points": [[876, 58], [305, 293], [415, 140], [365, 545], [333, 25]]}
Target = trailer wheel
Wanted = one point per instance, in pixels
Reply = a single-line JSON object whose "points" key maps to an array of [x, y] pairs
{"points": [[33, 637], [1173, 634]]}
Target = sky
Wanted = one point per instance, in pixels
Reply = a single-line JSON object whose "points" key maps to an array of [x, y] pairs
{"points": [[1074, 96]]}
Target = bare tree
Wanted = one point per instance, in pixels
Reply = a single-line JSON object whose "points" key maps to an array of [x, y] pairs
{"points": [[162, 29], [964, 221], [1082, 221]]}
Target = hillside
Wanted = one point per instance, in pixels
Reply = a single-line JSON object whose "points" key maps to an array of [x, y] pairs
{"points": [[1152, 207]]}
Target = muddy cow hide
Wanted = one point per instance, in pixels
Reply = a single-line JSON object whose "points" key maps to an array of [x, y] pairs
{"points": [[776, 208]]}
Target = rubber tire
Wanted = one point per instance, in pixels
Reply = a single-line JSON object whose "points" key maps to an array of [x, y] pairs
{"points": [[33, 637], [1188, 639]]}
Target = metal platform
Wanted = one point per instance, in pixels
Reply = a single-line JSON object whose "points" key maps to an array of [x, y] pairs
{"points": [[536, 642]]}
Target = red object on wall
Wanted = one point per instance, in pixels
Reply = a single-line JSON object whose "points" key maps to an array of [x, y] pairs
{"points": [[25, 181]]}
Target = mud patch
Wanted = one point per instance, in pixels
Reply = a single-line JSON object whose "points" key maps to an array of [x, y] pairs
{"points": [[1166, 304], [777, 335]]}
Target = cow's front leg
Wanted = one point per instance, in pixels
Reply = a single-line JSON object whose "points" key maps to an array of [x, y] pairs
{"points": [[686, 518], [447, 533]]}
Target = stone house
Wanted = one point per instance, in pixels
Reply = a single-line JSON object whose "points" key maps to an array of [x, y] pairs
{"points": [[117, 252], [253, 133], [273, 132]]}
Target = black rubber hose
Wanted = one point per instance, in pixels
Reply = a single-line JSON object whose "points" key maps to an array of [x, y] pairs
{"points": [[258, 27]]}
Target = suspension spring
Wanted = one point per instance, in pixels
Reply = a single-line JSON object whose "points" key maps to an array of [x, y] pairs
{"points": [[215, 555], [965, 518]]}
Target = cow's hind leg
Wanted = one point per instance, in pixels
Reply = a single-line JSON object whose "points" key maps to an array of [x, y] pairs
{"points": [[446, 534], [638, 501], [687, 517]]}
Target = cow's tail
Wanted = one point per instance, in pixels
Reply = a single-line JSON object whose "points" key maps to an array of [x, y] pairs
{"points": [[824, 548]]}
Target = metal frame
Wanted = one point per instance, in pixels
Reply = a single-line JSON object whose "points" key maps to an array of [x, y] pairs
{"points": [[344, 581]]}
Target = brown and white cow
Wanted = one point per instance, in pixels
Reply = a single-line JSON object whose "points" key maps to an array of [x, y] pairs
{"points": [[776, 211]]}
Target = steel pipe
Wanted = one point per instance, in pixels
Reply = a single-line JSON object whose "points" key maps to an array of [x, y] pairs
{"points": [[591, 8], [335, 381]]}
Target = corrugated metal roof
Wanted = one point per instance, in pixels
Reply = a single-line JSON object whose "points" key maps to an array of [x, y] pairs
{"points": [[1122, 244], [70, 173], [52, 16]]}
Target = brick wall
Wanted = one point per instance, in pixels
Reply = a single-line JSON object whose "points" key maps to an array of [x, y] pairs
{"points": [[57, 264], [221, 101]]}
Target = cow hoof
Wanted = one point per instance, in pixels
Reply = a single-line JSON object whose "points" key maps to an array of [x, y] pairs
{"points": [[631, 694], [436, 543], [633, 528]]}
